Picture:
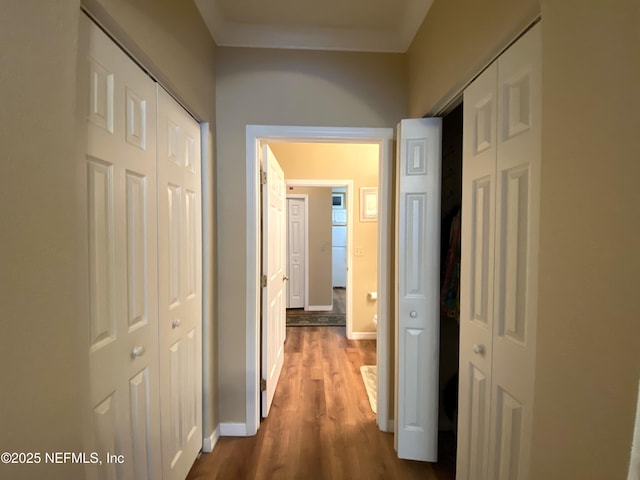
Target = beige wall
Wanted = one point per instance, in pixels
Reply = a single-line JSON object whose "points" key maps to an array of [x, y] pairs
{"points": [[44, 380], [588, 360], [171, 40], [456, 40], [587, 366], [319, 230], [344, 161], [280, 87], [44, 315]]}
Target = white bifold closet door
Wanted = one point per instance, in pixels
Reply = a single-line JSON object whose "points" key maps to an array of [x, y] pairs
{"points": [[143, 221], [418, 177], [498, 290], [121, 206], [180, 293]]}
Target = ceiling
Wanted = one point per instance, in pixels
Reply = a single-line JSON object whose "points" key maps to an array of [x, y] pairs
{"points": [[354, 25]]}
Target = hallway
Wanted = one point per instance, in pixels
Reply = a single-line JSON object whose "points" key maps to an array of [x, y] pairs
{"points": [[320, 425]]}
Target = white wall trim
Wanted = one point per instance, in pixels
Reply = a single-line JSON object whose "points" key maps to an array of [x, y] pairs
{"points": [[207, 275], [234, 430], [209, 443], [231, 33], [391, 424], [385, 267], [634, 462], [363, 336], [254, 135]]}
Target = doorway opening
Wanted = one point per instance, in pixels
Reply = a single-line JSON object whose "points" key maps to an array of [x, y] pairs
{"points": [[325, 295], [451, 202], [342, 249], [257, 135]]}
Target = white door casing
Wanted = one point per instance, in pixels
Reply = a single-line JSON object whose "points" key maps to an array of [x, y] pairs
{"points": [[417, 295], [121, 220], [274, 272], [296, 251], [476, 277], [500, 214], [255, 134], [180, 286]]}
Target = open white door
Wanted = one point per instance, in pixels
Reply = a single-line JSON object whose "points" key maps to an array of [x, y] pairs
{"points": [[418, 282], [274, 275]]}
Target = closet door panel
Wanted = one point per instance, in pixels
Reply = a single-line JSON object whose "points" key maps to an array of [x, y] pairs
{"points": [[419, 159], [476, 274], [180, 286], [517, 220], [118, 100]]}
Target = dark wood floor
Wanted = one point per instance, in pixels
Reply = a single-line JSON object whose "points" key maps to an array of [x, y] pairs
{"points": [[320, 425]]}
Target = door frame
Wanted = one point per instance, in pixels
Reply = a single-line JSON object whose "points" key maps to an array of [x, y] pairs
{"points": [[264, 133], [305, 198], [348, 184]]}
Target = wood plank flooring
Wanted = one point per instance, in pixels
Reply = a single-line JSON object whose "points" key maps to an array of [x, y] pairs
{"points": [[320, 425]]}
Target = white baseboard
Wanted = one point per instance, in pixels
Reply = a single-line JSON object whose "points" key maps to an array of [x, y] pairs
{"points": [[634, 463], [391, 425], [363, 336], [319, 308], [233, 430], [209, 443]]}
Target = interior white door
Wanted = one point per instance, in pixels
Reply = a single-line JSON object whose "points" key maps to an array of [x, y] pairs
{"points": [[417, 295], [516, 257], [500, 215], [122, 244], [476, 274], [180, 286], [296, 251], [274, 276]]}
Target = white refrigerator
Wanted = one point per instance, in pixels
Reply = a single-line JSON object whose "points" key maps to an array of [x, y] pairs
{"points": [[339, 255]]}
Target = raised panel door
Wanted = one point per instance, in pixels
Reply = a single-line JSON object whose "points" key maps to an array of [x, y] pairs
{"points": [[119, 101], [476, 274], [516, 256], [296, 248], [418, 267], [274, 272], [180, 286]]}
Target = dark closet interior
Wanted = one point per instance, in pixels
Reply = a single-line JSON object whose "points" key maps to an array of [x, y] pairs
{"points": [[451, 202]]}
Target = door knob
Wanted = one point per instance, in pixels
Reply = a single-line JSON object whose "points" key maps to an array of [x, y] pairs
{"points": [[413, 314], [478, 349], [284, 278], [176, 323], [137, 351]]}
